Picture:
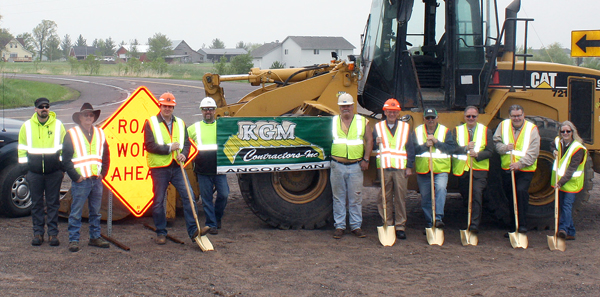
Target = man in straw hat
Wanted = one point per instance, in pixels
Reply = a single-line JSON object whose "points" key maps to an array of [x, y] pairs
{"points": [[85, 158]]}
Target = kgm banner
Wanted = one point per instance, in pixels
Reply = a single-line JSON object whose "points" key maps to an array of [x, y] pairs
{"points": [[268, 144]]}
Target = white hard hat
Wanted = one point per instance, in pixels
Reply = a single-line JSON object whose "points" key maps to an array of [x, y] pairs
{"points": [[345, 99], [208, 102]]}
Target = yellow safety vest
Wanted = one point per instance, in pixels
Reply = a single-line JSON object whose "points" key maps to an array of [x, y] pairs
{"points": [[162, 137], [441, 161], [461, 162], [205, 135], [349, 145], [87, 157], [32, 142], [575, 184], [393, 154], [521, 145]]}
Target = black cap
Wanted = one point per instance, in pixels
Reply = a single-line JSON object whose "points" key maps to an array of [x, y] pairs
{"points": [[40, 101], [430, 112]]}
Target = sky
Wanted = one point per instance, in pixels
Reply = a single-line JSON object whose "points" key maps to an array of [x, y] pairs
{"points": [[198, 22]]}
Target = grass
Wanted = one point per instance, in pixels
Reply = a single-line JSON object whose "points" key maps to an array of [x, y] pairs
{"points": [[20, 93]]}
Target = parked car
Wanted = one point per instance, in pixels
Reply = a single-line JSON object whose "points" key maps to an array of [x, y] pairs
{"points": [[15, 199]]}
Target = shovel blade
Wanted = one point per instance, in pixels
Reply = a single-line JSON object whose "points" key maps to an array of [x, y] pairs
{"points": [[518, 240], [204, 244], [556, 243], [468, 238], [435, 236], [387, 235]]}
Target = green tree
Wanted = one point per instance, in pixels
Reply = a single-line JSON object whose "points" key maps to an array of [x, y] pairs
{"points": [[81, 41], [277, 65], [134, 66], [66, 45], [28, 41], [217, 43], [554, 53], [240, 44], [221, 67], [42, 33], [91, 64], [109, 47], [74, 64], [95, 43], [159, 46], [5, 36], [52, 48], [159, 65], [241, 64], [252, 46], [132, 52], [593, 63]]}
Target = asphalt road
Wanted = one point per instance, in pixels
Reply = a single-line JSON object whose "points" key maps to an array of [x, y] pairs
{"points": [[107, 94]]}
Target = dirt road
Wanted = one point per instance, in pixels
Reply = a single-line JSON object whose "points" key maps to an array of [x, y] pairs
{"points": [[253, 259]]}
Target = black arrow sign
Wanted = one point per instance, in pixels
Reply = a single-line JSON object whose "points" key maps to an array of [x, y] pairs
{"points": [[583, 43]]}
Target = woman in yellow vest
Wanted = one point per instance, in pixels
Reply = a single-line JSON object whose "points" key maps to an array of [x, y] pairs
{"points": [[570, 166]]}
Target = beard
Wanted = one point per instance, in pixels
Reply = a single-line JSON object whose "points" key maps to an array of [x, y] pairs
{"points": [[43, 115]]}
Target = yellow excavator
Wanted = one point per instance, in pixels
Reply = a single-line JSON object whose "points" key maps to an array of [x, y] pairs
{"points": [[446, 55]]}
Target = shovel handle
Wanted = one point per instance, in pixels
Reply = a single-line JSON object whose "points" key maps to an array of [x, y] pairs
{"points": [[383, 198], [432, 186], [514, 190], [556, 202], [187, 188], [470, 193]]}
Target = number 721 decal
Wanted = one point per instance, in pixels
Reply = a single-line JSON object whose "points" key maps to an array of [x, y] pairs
{"points": [[560, 93]]}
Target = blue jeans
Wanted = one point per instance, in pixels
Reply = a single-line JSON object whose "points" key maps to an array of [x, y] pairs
{"points": [[160, 181], [440, 180], [346, 182], [90, 190], [565, 219], [213, 211]]}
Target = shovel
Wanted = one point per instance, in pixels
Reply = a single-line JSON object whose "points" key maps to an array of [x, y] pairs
{"points": [[202, 240], [517, 240], [387, 235], [435, 236], [555, 242], [466, 236]]}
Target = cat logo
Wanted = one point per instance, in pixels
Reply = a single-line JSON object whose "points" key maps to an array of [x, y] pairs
{"points": [[543, 80]]}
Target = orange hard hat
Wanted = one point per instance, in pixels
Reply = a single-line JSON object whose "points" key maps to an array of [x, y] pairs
{"points": [[391, 104], [167, 99]]}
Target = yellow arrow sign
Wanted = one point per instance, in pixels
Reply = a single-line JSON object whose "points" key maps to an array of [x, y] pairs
{"points": [[585, 43]]}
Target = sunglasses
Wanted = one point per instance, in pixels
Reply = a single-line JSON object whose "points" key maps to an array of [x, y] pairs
{"points": [[471, 116], [565, 131], [208, 108], [430, 118], [44, 107], [88, 115]]}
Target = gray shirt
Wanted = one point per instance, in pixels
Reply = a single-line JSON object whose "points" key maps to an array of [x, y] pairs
{"points": [[534, 145]]}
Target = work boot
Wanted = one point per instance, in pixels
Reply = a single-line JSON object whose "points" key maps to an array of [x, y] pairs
{"points": [[562, 234], [219, 225], [522, 229], [74, 246], [439, 224], [358, 232], [160, 239], [203, 232], [474, 230], [37, 240], [53, 240], [400, 234], [570, 237], [99, 242], [338, 233], [213, 231]]}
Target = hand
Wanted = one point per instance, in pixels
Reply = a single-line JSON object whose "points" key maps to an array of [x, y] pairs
{"points": [[510, 146], [378, 140], [558, 186], [100, 176], [174, 146], [429, 143], [409, 171], [473, 154], [80, 179], [515, 166], [181, 158], [471, 146], [555, 153], [364, 165]]}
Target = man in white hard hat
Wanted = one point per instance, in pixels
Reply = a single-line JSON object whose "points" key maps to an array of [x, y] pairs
{"points": [[204, 133], [350, 152]]}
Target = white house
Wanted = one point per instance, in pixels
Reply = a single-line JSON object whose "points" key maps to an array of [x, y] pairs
{"points": [[299, 51]]}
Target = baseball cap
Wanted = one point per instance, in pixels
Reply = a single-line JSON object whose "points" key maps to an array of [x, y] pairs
{"points": [[40, 101], [430, 112]]}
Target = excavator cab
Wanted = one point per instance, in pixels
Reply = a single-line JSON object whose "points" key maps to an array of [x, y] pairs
{"points": [[427, 53]]}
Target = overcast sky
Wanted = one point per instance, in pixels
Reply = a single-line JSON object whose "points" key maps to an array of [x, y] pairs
{"points": [[198, 22]]}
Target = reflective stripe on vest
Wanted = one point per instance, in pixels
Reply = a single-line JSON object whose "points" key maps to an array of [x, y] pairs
{"points": [[34, 148], [87, 157], [348, 146], [441, 161], [393, 154], [575, 184], [521, 144], [461, 163], [162, 137], [209, 134]]}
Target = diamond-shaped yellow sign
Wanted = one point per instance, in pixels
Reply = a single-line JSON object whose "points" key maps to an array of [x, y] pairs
{"points": [[129, 176]]}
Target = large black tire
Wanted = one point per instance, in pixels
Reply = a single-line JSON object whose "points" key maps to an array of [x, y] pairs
{"points": [[299, 199], [15, 198]]}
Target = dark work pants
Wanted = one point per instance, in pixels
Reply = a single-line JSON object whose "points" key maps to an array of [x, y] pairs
{"points": [[479, 184], [48, 184], [522, 181]]}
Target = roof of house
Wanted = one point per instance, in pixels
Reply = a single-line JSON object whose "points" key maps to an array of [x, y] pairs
{"points": [[321, 42], [85, 50], [264, 49], [224, 51]]}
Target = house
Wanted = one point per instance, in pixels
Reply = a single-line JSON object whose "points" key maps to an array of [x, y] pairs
{"points": [[299, 51], [81, 52], [183, 53], [123, 52], [14, 51], [214, 54]]}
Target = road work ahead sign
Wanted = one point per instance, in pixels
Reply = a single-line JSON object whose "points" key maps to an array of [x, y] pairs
{"points": [[129, 176], [585, 43]]}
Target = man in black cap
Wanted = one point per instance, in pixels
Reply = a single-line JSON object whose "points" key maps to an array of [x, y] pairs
{"points": [[85, 157], [40, 143]]}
